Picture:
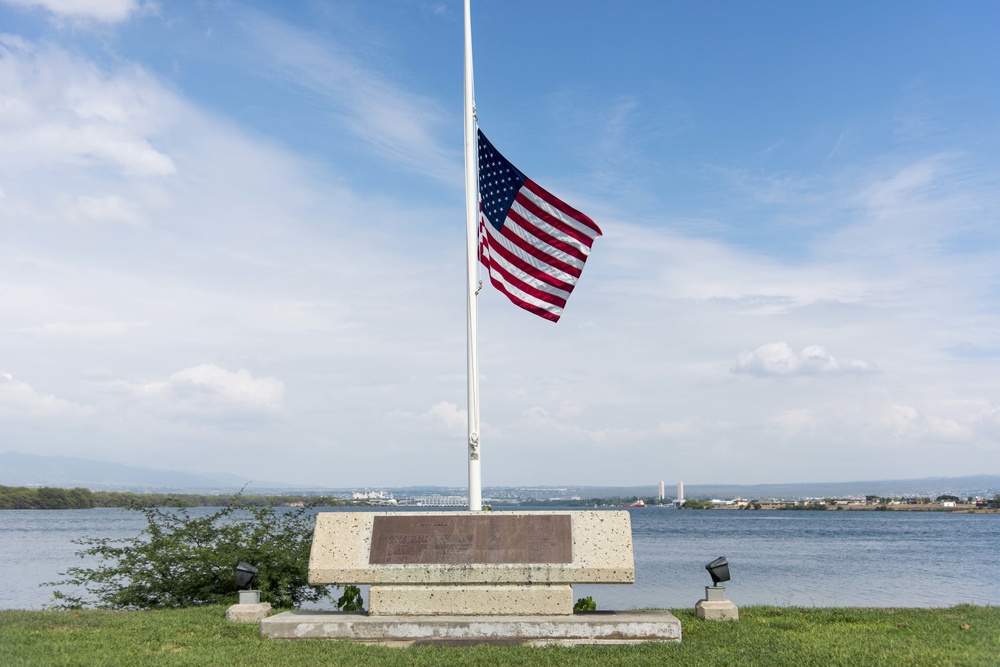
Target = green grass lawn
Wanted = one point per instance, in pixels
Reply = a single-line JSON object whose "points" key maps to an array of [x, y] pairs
{"points": [[963, 635]]}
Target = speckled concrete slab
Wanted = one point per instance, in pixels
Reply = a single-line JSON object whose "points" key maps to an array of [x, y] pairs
{"points": [[470, 599], [342, 553], [614, 627]]}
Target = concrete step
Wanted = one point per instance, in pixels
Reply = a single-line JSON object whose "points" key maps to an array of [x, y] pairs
{"points": [[600, 627]]}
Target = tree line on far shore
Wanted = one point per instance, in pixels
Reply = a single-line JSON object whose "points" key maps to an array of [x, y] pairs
{"points": [[55, 498]]}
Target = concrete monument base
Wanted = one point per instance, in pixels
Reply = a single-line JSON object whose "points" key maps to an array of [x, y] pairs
{"points": [[470, 599], [473, 577], [631, 627], [716, 607], [248, 613], [471, 563]]}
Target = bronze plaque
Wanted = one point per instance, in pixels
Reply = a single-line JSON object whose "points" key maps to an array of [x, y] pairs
{"points": [[488, 538]]}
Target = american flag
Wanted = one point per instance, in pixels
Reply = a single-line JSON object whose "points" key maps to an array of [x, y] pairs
{"points": [[533, 244]]}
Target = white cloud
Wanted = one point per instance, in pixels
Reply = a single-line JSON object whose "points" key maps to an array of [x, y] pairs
{"points": [[538, 421], [568, 409], [901, 420], [62, 111], [207, 388], [947, 428], [104, 209], [655, 263], [444, 418], [144, 225], [907, 423], [690, 428], [794, 423], [403, 126], [19, 400], [104, 11], [899, 188], [778, 359], [77, 330], [986, 412]]}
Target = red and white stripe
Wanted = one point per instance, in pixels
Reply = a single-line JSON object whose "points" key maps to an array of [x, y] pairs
{"points": [[537, 256]]}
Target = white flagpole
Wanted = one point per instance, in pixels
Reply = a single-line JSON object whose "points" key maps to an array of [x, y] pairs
{"points": [[472, 257]]}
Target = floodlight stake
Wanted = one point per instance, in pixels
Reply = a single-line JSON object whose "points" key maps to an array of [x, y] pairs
{"points": [[715, 606]]}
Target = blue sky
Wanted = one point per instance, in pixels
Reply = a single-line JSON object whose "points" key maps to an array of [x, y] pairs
{"points": [[232, 238]]}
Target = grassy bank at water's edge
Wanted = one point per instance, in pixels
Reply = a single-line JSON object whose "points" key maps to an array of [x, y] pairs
{"points": [[773, 636]]}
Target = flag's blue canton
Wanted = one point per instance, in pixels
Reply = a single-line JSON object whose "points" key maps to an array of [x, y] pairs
{"points": [[499, 182]]}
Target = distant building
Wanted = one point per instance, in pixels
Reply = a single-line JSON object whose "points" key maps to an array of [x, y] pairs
{"points": [[374, 497], [663, 493], [371, 495], [433, 500], [680, 494]]}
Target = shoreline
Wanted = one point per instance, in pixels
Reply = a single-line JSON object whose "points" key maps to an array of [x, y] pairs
{"points": [[858, 508]]}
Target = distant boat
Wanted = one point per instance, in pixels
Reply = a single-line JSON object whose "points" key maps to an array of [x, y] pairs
{"points": [[638, 504]]}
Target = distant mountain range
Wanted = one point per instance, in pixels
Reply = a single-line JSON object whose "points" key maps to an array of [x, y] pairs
{"points": [[19, 469]]}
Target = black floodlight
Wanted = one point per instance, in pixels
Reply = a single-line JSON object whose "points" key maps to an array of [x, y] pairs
{"points": [[245, 572], [719, 569]]}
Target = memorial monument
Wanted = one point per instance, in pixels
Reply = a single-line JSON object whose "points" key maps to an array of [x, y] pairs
{"points": [[485, 576], [473, 577]]}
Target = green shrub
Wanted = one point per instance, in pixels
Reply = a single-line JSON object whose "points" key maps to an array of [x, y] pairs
{"points": [[351, 599], [180, 560], [585, 604]]}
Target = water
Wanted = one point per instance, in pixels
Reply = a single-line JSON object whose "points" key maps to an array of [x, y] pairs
{"points": [[36, 545], [877, 559], [823, 559]]}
